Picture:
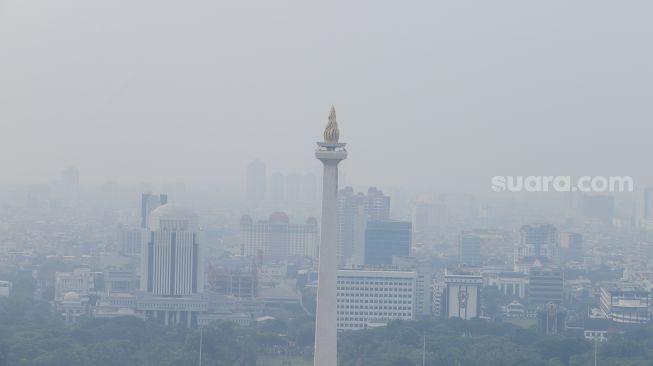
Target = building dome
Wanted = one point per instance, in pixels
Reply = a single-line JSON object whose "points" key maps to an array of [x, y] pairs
{"points": [[279, 218], [311, 221], [173, 217], [71, 296], [246, 219]]}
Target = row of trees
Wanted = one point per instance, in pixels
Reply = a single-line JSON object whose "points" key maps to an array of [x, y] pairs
{"points": [[30, 335]]}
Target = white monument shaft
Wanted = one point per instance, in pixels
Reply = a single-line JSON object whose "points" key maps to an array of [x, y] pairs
{"points": [[330, 153]]}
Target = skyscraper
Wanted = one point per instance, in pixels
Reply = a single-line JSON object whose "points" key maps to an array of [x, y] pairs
{"points": [[149, 202], [469, 249], [386, 239], [330, 153], [172, 268], [173, 264], [538, 243], [256, 184], [354, 210], [378, 205]]}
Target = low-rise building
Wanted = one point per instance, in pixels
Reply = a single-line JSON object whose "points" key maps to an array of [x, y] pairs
{"points": [[367, 297], [625, 302], [462, 295]]}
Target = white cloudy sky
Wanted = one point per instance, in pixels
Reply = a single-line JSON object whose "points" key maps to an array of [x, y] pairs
{"points": [[433, 95]]}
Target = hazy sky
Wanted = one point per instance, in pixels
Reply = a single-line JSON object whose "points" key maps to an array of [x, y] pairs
{"points": [[433, 95]]}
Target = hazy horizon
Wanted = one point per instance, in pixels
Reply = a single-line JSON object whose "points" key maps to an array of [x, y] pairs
{"points": [[434, 97]]}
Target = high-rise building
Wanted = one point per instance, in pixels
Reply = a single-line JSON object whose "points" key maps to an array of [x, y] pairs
{"points": [[378, 205], [172, 257], [462, 295], [277, 237], [648, 208], [149, 202], [571, 246], [330, 153], [538, 245], [354, 210], [427, 216], [277, 187], [370, 297], [172, 268], [469, 249], [256, 184], [130, 240], [385, 239], [545, 285]]}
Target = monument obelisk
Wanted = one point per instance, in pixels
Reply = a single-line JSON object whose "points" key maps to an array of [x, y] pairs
{"points": [[330, 153]]}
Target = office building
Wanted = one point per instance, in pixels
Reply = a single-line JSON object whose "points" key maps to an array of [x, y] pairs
{"points": [[366, 297], [172, 256], [377, 204], [469, 249], [462, 293], [172, 268], [386, 239], [571, 247], [428, 216], [551, 318], [277, 237], [354, 210], [240, 283], [624, 302], [130, 240], [538, 245], [511, 284], [149, 202], [545, 285], [423, 269], [438, 288]]}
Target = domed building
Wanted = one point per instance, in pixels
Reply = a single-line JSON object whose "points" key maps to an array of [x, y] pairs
{"points": [[72, 306], [172, 267]]}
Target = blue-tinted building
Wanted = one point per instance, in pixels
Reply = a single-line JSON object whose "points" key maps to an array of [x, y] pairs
{"points": [[385, 239]]}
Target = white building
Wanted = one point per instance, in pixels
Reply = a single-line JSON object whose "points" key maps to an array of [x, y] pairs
{"points": [[365, 297], [172, 262], [5, 288], [511, 284], [277, 237], [624, 302], [80, 281], [462, 296], [172, 268]]}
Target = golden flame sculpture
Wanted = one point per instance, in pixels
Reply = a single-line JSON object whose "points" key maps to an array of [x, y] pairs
{"points": [[331, 132]]}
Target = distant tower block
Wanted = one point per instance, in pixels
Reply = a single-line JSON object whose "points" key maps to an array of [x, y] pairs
{"points": [[330, 153]]}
